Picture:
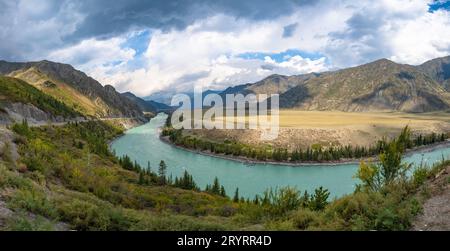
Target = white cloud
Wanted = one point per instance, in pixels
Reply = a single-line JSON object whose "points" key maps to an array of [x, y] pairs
{"points": [[93, 55], [207, 47], [207, 52], [424, 38], [403, 30]]}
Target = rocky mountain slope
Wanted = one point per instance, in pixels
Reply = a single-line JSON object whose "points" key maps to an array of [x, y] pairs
{"points": [[378, 86], [73, 87], [439, 70], [381, 85], [273, 84], [19, 100]]}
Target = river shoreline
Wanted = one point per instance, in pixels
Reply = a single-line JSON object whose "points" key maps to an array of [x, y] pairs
{"points": [[248, 161], [111, 141]]}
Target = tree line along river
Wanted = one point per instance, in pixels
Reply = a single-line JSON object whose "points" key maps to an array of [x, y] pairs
{"points": [[143, 145]]}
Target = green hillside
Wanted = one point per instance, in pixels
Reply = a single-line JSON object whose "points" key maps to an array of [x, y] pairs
{"points": [[73, 87], [16, 90]]}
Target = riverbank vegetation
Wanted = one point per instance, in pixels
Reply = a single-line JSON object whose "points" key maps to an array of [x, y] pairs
{"points": [[314, 153], [66, 178]]}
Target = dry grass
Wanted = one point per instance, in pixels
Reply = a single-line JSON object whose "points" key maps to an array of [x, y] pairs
{"points": [[303, 128], [336, 119]]}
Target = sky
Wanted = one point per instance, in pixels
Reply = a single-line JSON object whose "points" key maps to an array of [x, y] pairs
{"points": [[150, 46]]}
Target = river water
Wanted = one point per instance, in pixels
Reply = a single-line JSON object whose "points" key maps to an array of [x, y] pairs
{"points": [[143, 144]]}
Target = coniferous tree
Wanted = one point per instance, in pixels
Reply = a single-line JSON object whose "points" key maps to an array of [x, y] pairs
{"points": [[236, 195], [141, 178], [319, 199], [256, 200], [222, 191], [162, 172], [215, 189]]}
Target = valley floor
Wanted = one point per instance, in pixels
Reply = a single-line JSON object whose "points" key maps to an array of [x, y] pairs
{"points": [[305, 128]]}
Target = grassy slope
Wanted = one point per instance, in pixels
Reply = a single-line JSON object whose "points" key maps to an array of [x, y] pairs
{"points": [[62, 92], [85, 186], [15, 90]]}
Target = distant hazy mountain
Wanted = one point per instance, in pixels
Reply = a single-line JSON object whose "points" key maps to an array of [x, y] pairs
{"points": [[165, 97], [378, 86], [273, 84], [161, 96], [147, 105], [80, 92]]}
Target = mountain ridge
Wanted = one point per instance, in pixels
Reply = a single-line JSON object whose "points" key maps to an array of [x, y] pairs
{"points": [[381, 85], [104, 100], [147, 105]]}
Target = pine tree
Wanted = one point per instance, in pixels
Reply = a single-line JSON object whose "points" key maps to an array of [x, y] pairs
{"points": [[236, 195], [319, 199], [141, 178], [256, 200], [216, 186], [162, 172], [222, 191], [208, 188]]}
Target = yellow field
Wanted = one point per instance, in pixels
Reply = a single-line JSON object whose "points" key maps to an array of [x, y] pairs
{"points": [[327, 119], [303, 128]]}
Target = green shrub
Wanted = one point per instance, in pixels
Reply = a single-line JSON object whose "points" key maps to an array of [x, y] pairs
{"points": [[176, 222], [304, 218], [34, 201], [12, 179], [420, 175], [26, 223], [281, 200], [83, 215]]}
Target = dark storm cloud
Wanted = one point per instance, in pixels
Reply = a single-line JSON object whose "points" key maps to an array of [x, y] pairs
{"points": [[104, 18], [363, 39], [50, 24]]}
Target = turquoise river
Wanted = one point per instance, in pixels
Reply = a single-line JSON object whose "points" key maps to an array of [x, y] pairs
{"points": [[143, 144]]}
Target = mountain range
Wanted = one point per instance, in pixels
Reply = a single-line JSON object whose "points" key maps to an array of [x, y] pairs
{"points": [[381, 85], [148, 105]]}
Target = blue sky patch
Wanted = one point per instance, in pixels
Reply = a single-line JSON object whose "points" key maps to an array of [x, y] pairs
{"points": [[282, 56], [139, 42], [438, 5]]}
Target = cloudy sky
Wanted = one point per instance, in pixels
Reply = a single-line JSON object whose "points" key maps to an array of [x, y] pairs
{"points": [[147, 46]]}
